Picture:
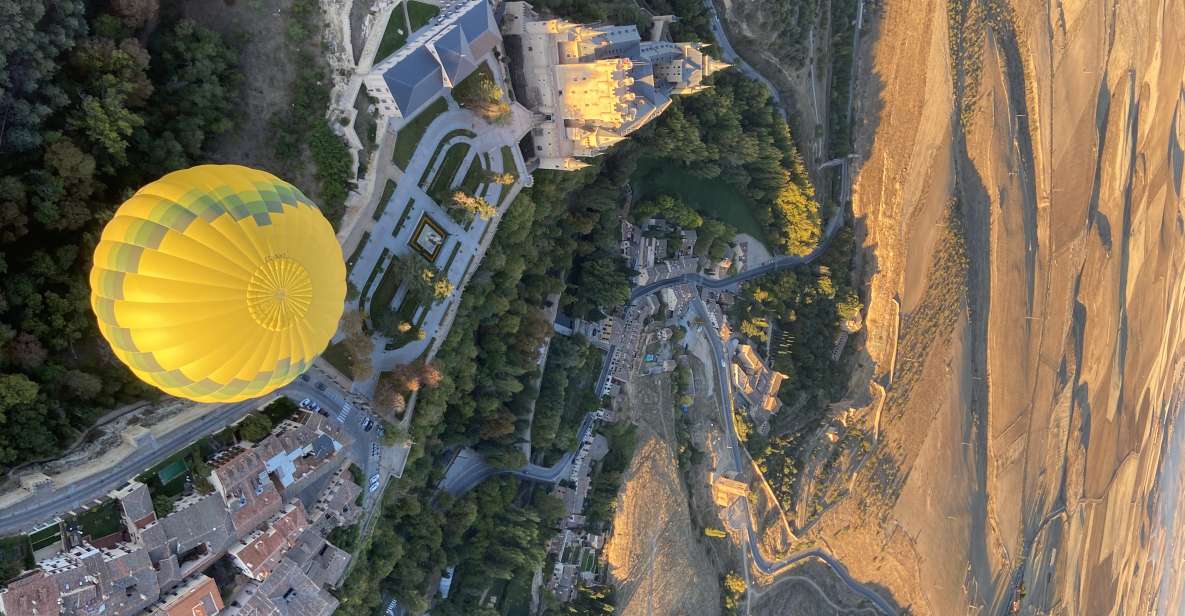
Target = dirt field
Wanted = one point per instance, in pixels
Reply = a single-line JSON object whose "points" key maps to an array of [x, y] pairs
{"points": [[1031, 349], [657, 558]]}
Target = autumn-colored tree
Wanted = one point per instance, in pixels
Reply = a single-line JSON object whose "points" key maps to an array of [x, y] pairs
{"points": [[430, 376], [475, 206], [387, 398], [480, 94], [503, 179]]}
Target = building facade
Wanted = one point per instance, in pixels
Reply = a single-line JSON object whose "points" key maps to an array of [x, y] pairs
{"points": [[591, 86]]}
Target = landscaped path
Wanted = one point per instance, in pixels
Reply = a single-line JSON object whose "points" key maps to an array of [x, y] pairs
{"points": [[470, 243]]}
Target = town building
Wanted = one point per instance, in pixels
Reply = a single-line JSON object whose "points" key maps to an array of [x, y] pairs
{"points": [[757, 384], [592, 86], [198, 596], [241, 478], [155, 564], [257, 554], [286, 592], [33, 594]]}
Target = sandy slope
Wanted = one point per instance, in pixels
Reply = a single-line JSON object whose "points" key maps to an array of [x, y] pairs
{"points": [[656, 564], [1023, 440]]}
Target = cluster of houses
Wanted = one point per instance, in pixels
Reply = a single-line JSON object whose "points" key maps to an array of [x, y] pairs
{"points": [[576, 549], [652, 256], [254, 518], [757, 385]]}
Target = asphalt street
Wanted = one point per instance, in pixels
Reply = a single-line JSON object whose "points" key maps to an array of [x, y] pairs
{"points": [[772, 265], [469, 469], [46, 504]]}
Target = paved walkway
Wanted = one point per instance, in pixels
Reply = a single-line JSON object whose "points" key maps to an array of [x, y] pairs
{"points": [[470, 243]]}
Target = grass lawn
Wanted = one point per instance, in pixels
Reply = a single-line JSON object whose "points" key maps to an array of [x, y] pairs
{"points": [[473, 177], [587, 560], [439, 189], [440, 147], [409, 136], [380, 302], [373, 274], [41, 539], [508, 164], [388, 190], [360, 479], [396, 33], [357, 251], [402, 219], [713, 198], [168, 472], [452, 255], [339, 357], [99, 521], [15, 556]]}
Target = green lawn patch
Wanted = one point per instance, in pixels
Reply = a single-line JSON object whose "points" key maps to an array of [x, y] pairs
{"points": [[397, 30], [373, 274], [409, 136], [15, 556], [402, 219], [360, 479], [99, 521], [357, 251], [388, 190], [588, 559], [441, 184], [714, 198], [338, 356], [473, 177], [43, 538], [452, 255], [508, 164], [440, 147]]}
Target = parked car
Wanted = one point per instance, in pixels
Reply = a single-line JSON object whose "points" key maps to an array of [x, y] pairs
{"points": [[304, 377], [320, 386], [322, 411], [306, 404]]}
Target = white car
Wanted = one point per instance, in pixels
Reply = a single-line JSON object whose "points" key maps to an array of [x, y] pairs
{"points": [[374, 482]]}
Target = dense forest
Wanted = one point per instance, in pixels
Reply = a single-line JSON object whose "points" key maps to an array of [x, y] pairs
{"points": [[92, 105], [733, 133]]}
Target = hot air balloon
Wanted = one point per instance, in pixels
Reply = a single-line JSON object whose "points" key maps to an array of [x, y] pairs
{"points": [[218, 283]]}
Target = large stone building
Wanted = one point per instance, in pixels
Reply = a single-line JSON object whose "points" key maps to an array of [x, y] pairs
{"points": [[434, 59], [591, 86]]}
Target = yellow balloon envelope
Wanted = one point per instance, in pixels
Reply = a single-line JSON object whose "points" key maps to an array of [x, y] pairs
{"points": [[218, 283]]}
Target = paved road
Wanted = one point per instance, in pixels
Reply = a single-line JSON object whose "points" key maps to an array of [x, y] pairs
{"points": [[48, 504], [469, 469], [772, 265], [732, 56], [768, 567]]}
